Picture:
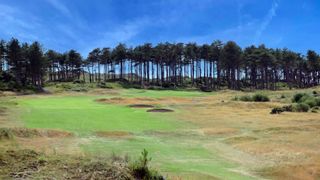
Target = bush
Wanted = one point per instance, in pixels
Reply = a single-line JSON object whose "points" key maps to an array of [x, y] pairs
{"points": [[288, 108], [5, 134], [277, 110], [104, 85], [64, 86], [205, 89], [79, 89], [260, 98], [315, 109], [306, 99], [282, 96], [301, 107], [317, 101], [78, 81], [246, 98], [236, 98], [311, 101], [297, 97], [140, 169]]}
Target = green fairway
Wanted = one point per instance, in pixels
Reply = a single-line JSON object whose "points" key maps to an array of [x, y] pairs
{"points": [[174, 151], [82, 114], [174, 155]]}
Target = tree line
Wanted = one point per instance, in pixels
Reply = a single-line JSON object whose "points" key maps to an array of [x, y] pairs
{"points": [[168, 65]]}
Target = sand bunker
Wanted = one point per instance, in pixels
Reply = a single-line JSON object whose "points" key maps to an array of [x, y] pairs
{"points": [[141, 106], [160, 110]]}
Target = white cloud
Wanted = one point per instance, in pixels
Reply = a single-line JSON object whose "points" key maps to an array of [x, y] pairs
{"points": [[267, 20], [60, 7]]}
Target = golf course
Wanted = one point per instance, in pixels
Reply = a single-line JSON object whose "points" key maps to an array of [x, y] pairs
{"points": [[188, 134]]}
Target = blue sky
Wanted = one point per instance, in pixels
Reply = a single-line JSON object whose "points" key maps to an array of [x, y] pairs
{"points": [[86, 24]]}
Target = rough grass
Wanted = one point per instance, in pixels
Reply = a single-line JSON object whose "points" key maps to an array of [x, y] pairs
{"points": [[208, 136], [121, 129], [29, 164]]}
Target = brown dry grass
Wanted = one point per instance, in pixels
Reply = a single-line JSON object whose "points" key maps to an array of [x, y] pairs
{"points": [[268, 145], [284, 146], [114, 134], [279, 142], [218, 131], [146, 101]]}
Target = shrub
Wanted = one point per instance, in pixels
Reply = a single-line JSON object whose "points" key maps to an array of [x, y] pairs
{"points": [[140, 169], [245, 98], [311, 101], [315, 109], [288, 108], [282, 96], [79, 89], [5, 134], [306, 99], [78, 81], [301, 107], [260, 98], [236, 98], [104, 85], [317, 101], [205, 89], [64, 86], [277, 110], [297, 97]]}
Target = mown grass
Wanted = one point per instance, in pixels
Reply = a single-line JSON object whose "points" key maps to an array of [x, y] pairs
{"points": [[83, 115], [172, 153]]}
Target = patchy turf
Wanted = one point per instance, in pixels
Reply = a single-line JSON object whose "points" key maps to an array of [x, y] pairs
{"points": [[29, 164], [208, 136], [30, 133]]}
